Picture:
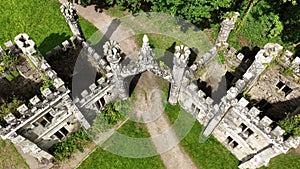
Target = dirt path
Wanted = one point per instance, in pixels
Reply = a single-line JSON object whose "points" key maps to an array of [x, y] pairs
{"points": [[150, 110], [108, 27]]}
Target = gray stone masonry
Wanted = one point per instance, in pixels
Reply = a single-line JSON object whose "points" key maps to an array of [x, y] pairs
{"points": [[70, 14], [226, 26], [180, 59], [246, 135]]}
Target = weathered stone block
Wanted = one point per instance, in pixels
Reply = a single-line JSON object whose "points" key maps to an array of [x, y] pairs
{"points": [[34, 100]]}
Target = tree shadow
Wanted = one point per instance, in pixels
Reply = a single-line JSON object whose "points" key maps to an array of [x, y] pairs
{"points": [[51, 41], [100, 5]]}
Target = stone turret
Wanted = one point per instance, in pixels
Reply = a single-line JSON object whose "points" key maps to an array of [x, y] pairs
{"points": [[180, 62], [71, 17], [112, 52]]}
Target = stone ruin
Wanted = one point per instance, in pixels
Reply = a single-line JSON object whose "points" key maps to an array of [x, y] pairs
{"points": [[252, 138]]}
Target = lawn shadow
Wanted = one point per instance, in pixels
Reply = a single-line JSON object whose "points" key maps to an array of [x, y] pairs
{"points": [[51, 41]]}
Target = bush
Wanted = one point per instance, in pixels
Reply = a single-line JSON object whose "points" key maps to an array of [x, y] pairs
{"points": [[291, 125], [75, 141], [9, 60], [47, 83], [286, 71], [109, 117], [7, 108]]}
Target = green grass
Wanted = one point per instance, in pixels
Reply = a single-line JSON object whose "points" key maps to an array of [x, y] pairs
{"points": [[9, 156], [101, 159], [40, 19], [208, 155], [284, 161], [133, 129]]}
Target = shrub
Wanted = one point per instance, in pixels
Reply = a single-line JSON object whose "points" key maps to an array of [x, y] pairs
{"points": [[9, 60], [291, 125], [7, 108], [47, 83], [286, 71], [109, 117], [75, 141]]}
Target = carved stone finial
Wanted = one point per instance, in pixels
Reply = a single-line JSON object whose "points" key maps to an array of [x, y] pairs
{"points": [[181, 54], [112, 51]]}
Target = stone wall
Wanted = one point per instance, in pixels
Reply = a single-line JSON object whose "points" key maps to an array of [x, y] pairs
{"points": [[51, 115]]}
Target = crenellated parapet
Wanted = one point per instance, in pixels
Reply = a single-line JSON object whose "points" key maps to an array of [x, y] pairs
{"points": [[226, 26]]}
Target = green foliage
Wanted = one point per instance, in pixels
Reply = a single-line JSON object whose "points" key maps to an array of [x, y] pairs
{"points": [[286, 71], [9, 77], [111, 114], [2, 69], [8, 60], [276, 28], [109, 117], [291, 125], [3, 143], [10, 107], [47, 83], [221, 58], [294, 2], [132, 5], [15, 73], [193, 11], [75, 141], [84, 3]]}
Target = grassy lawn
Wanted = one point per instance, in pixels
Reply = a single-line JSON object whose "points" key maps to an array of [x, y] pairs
{"points": [[40, 19], [103, 159], [208, 155], [291, 160], [9, 156]]}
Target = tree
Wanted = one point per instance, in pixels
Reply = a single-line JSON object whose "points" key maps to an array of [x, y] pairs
{"points": [[191, 10]]}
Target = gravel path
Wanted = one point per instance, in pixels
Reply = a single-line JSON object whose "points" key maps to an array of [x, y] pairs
{"points": [[149, 105]]}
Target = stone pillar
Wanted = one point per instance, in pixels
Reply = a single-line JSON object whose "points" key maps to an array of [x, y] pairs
{"points": [[71, 17], [226, 26], [180, 62], [112, 53]]}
